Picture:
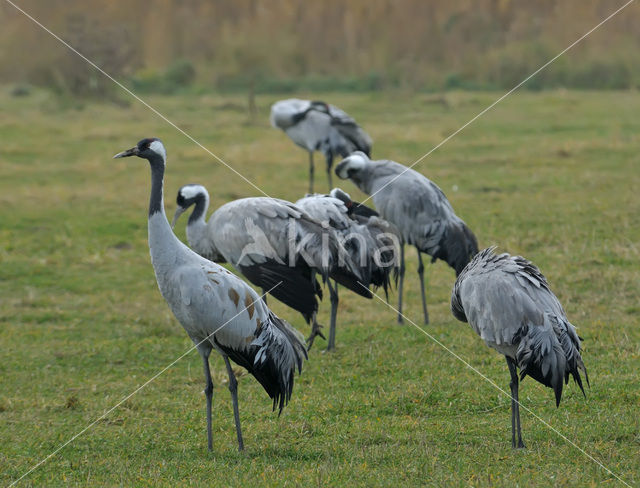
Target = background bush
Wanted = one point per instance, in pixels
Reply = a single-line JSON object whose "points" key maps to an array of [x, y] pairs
{"points": [[290, 45]]}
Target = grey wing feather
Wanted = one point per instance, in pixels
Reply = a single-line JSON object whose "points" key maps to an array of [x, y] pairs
{"points": [[422, 213], [496, 298], [360, 242], [325, 208], [252, 230], [354, 137], [416, 206]]}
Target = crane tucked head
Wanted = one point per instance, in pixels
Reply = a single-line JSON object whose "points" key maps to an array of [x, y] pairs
{"points": [[320, 107], [353, 207], [189, 195], [352, 165], [147, 148], [342, 196]]}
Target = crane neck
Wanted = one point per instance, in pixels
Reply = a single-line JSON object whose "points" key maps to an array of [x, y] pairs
{"points": [[200, 209], [165, 248], [300, 116], [156, 203], [198, 233], [167, 251], [197, 226]]}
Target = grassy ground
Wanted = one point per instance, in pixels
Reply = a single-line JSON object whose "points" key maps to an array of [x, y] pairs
{"points": [[553, 176]]}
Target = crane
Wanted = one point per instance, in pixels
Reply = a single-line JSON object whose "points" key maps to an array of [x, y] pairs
{"points": [[420, 211], [508, 303], [369, 242], [317, 126], [216, 308]]}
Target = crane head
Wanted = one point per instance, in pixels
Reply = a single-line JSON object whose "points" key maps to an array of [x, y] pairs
{"points": [[147, 148], [352, 165], [189, 195], [353, 207], [320, 107], [341, 195]]}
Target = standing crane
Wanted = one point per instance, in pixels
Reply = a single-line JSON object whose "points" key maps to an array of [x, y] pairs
{"points": [[270, 241], [317, 126], [368, 244], [420, 211], [216, 308], [508, 303]]}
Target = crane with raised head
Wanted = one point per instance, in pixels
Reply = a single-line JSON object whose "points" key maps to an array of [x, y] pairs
{"points": [[218, 310]]}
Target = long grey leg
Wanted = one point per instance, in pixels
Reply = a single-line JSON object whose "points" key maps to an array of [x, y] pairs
{"points": [[208, 390], [310, 172], [329, 165], [233, 388], [400, 286], [264, 296], [515, 406], [333, 295], [424, 298]]}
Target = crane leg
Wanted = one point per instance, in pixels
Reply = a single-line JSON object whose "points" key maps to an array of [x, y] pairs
{"points": [[400, 286], [264, 296], [333, 294], [315, 326], [310, 172], [424, 298], [233, 388], [329, 166], [315, 331], [208, 390], [515, 406]]}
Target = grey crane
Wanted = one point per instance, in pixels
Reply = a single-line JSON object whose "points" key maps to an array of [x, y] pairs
{"points": [[369, 242], [385, 236], [317, 126], [508, 303], [216, 308], [270, 241], [419, 209]]}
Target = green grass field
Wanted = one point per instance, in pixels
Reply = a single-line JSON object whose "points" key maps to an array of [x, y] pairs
{"points": [[552, 176]]}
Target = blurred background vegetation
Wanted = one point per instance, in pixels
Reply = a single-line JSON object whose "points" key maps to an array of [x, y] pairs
{"points": [[280, 46]]}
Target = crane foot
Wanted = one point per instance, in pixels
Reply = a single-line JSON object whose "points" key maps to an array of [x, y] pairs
{"points": [[315, 331]]}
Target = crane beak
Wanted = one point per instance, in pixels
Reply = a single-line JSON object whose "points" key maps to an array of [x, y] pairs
{"points": [[134, 151], [179, 212]]}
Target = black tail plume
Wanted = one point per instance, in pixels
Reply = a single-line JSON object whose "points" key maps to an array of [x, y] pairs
{"points": [[549, 353], [272, 358]]}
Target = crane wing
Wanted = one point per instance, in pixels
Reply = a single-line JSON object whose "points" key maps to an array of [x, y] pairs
{"points": [[355, 137], [498, 294]]}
